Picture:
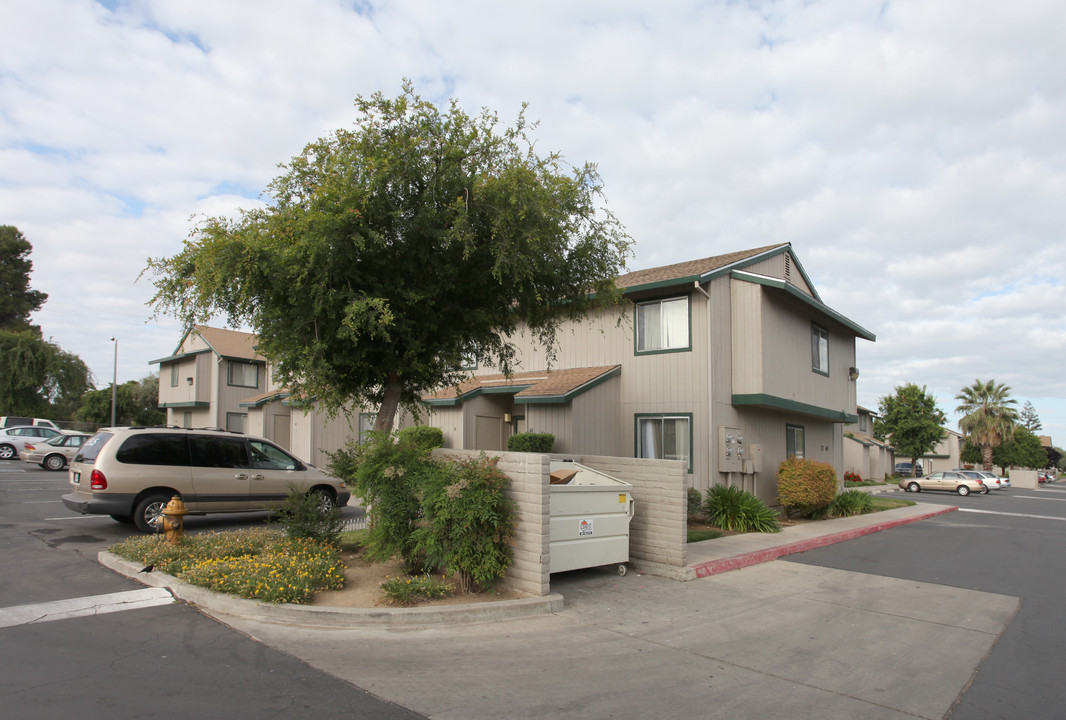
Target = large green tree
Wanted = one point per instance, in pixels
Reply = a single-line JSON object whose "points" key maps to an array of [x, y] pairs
{"points": [[1022, 449], [39, 378], [17, 300], [988, 416], [392, 253], [911, 421]]}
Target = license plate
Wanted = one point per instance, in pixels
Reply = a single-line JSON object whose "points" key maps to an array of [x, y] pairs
{"points": [[75, 477]]}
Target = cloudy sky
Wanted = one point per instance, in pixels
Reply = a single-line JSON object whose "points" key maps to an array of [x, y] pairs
{"points": [[913, 151]]}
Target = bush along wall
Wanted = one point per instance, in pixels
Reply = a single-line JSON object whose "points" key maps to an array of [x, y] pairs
{"points": [[531, 442]]}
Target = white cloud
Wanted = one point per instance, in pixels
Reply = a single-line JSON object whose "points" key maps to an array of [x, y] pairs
{"points": [[910, 150]]}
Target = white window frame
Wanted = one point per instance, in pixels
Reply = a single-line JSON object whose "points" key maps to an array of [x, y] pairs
{"points": [[663, 325], [819, 349], [235, 422], [653, 436], [795, 441]]}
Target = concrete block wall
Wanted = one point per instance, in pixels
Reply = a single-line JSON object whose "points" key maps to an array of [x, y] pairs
{"points": [[529, 491], [658, 529]]}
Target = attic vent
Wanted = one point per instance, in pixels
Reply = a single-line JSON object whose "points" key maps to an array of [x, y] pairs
{"points": [[788, 267]]}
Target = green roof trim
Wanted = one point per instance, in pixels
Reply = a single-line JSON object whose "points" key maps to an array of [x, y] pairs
{"points": [[773, 402], [179, 356], [814, 303], [189, 404], [260, 402]]}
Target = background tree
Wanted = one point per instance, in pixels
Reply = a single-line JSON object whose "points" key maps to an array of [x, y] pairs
{"points": [[911, 421], [37, 377], [17, 301], [1022, 450], [392, 252], [1029, 419], [136, 403], [988, 418]]}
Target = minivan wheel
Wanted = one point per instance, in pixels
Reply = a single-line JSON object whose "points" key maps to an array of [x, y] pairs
{"points": [[55, 462], [325, 499], [148, 515], [963, 490]]}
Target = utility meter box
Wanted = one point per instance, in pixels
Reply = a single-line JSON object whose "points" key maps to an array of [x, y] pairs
{"points": [[732, 452], [589, 518]]}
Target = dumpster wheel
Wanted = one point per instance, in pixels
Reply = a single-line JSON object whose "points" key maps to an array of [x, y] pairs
{"points": [[621, 569]]}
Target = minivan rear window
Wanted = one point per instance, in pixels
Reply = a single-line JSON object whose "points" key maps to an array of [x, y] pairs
{"points": [[92, 447], [154, 449]]}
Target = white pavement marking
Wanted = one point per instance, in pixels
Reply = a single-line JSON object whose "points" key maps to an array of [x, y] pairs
{"points": [[84, 606], [1034, 497], [75, 517], [1010, 514]]}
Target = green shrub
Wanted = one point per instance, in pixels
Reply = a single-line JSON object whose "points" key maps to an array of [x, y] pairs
{"points": [[424, 436], [736, 510], [388, 476], [531, 442], [302, 516], [848, 503], [695, 502], [805, 486], [469, 522], [409, 589]]}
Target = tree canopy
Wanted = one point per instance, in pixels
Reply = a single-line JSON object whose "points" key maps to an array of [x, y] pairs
{"points": [[17, 300], [393, 253], [1029, 418], [911, 421], [37, 377], [988, 418], [1022, 449], [136, 403]]}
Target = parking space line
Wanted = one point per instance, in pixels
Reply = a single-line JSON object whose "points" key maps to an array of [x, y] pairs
{"points": [[1035, 497], [84, 606], [1010, 514]]}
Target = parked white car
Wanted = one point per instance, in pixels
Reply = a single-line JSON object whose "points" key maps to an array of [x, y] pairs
{"points": [[14, 439], [993, 481]]}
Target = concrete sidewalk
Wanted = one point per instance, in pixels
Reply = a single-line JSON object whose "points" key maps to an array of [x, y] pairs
{"points": [[766, 640]]}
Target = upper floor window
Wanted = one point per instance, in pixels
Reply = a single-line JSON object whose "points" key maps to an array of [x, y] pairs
{"points": [[862, 423], [819, 350], [663, 325], [174, 375], [244, 374]]}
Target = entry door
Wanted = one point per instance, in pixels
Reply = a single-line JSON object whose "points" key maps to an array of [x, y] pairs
{"points": [[282, 423], [488, 433]]}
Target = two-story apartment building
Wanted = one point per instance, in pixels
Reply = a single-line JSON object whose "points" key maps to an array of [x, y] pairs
{"points": [[865, 455], [730, 363], [203, 382]]}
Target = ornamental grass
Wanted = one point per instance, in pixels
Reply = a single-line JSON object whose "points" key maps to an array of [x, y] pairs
{"points": [[258, 564]]}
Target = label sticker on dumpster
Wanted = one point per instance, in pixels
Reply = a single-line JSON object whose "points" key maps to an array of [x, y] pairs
{"points": [[585, 528], [621, 497]]}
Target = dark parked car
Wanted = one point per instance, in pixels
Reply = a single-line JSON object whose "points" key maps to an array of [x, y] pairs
{"points": [[905, 469]]}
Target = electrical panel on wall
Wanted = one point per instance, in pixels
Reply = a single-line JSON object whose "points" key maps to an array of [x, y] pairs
{"points": [[732, 452]]}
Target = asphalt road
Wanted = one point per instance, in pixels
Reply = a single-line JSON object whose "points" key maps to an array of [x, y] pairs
{"points": [[163, 660], [622, 648], [1011, 542]]}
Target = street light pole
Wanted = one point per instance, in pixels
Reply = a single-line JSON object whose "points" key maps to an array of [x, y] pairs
{"points": [[114, 384]]}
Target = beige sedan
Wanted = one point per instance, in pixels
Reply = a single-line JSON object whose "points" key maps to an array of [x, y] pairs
{"points": [[947, 480], [53, 453]]}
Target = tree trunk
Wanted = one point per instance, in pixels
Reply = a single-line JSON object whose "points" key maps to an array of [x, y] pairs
{"points": [[389, 404], [986, 457]]}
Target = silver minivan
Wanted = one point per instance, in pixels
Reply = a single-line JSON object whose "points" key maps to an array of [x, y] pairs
{"points": [[132, 473]]}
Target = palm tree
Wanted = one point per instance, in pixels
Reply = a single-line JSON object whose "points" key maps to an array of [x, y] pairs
{"points": [[988, 418]]}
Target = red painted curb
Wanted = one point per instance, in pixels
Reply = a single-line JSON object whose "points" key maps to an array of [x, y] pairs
{"points": [[714, 567]]}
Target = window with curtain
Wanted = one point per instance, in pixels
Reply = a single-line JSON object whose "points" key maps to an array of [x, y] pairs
{"points": [[662, 325], [664, 437], [244, 374]]}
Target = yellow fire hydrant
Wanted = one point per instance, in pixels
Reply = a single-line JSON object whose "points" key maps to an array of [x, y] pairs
{"points": [[174, 520]]}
